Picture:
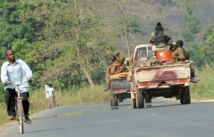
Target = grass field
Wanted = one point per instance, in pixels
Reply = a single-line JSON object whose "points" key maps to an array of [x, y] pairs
{"points": [[38, 99], [205, 88], [38, 102]]}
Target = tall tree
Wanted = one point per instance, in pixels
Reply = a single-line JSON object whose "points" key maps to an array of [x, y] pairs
{"points": [[191, 23], [74, 40], [127, 24], [203, 54]]}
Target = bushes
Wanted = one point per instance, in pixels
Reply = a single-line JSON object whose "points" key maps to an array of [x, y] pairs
{"points": [[205, 88]]}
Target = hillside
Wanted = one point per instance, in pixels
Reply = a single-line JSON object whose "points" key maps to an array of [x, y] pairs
{"points": [[71, 42], [171, 13]]}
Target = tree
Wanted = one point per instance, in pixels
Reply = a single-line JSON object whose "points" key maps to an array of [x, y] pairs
{"points": [[127, 24], [203, 54], [19, 32], [74, 47], [191, 23]]}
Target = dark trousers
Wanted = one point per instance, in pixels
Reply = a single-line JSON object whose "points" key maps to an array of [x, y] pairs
{"points": [[10, 100]]}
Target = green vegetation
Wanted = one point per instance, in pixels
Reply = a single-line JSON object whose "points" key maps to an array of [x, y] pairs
{"points": [[204, 89], [201, 52], [74, 96], [70, 42], [191, 23], [95, 94]]}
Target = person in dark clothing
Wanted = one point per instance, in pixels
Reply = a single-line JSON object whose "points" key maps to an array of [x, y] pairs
{"points": [[181, 55], [159, 37]]}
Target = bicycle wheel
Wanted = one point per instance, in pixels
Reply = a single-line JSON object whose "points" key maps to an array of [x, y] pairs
{"points": [[20, 117]]}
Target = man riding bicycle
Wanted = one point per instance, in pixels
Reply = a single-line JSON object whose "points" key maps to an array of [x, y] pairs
{"points": [[16, 71]]}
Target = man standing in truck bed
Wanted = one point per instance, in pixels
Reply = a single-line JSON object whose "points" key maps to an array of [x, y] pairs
{"points": [[159, 37]]}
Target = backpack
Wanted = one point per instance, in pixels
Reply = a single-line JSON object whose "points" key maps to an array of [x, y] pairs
{"points": [[159, 37]]}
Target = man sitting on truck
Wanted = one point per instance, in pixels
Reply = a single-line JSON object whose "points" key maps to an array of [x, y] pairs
{"points": [[159, 37], [179, 54], [116, 67]]}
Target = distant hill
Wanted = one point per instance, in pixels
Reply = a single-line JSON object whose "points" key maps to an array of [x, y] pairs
{"points": [[171, 13]]}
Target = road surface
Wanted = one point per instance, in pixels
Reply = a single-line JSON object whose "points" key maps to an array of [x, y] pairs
{"points": [[165, 118]]}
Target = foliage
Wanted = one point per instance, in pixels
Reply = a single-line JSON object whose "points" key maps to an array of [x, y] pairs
{"points": [[61, 44], [75, 39], [126, 25], [209, 36], [204, 89], [70, 42], [73, 96], [130, 25], [191, 23], [2, 96], [203, 54], [14, 26]]}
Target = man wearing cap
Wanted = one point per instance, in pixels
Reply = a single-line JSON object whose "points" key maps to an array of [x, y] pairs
{"points": [[159, 37]]}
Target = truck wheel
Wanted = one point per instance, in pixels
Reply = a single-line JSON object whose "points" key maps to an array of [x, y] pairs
{"points": [[114, 100], [139, 99], [134, 103], [185, 96]]}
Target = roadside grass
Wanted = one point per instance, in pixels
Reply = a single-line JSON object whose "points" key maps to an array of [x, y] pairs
{"points": [[202, 90], [3, 114], [205, 88], [75, 96]]}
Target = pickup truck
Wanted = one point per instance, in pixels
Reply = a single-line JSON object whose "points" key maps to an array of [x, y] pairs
{"points": [[150, 79], [119, 88]]}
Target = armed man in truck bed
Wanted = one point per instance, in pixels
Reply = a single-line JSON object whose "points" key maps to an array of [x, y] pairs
{"points": [[180, 55], [159, 37], [116, 67]]}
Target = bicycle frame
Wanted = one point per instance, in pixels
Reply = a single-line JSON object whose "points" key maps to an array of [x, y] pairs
{"points": [[19, 109]]}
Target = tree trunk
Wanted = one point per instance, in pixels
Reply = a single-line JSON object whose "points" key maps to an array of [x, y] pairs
{"points": [[127, 45], [87, 74], [82, 65], [79, 58]]}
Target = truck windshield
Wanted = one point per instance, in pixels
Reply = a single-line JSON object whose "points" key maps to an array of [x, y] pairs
{"points": [[143, 52]]}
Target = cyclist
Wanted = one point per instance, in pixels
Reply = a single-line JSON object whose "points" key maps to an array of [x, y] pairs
{"points": [[16, 71]]}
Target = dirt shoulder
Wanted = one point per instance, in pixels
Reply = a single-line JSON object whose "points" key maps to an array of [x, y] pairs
{"points": [[5, 127]]}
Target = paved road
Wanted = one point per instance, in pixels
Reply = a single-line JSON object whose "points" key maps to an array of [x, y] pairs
{"points": [[166, 118]]}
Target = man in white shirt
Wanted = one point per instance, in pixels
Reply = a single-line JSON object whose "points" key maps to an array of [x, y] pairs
{"points": [[51, 96], [46, 94], [16, 71]]}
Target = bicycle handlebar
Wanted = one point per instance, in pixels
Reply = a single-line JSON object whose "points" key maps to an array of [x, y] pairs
{"points": [[16, 85]]}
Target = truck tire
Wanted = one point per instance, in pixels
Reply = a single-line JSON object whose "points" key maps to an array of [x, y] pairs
{"points": [[139, 99], [134, 103], [185, 96], [114, 100]]}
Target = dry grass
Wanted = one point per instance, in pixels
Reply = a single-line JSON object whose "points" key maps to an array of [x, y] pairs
{"points": [[3, 114], [205, 88], [38, 100]]}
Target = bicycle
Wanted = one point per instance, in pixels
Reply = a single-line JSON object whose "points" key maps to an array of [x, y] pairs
{"points": [[19, 108]]}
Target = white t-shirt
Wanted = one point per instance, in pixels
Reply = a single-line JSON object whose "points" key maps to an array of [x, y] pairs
{"points": [[46, 90], [50, 91]]}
